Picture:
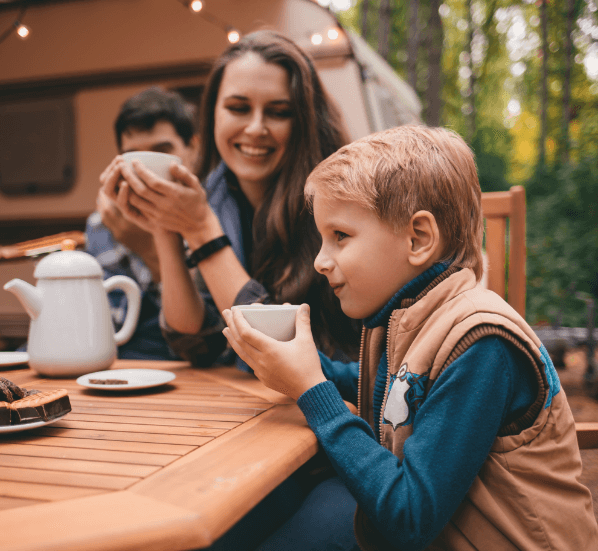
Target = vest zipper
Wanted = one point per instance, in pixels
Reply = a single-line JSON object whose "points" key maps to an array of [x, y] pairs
{"points": [[360, 371], [385, 396]]}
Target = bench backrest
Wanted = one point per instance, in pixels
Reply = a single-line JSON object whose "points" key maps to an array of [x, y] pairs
{"points": [[504, 214]]}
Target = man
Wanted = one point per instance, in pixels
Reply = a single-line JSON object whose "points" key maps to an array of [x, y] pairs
{"points": [[153, 120]]}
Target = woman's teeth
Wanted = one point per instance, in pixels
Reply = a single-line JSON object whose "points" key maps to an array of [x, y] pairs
{"points": [[253, 151]]}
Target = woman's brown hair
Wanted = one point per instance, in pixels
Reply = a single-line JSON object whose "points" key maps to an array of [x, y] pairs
{"points": [[285, 238]]}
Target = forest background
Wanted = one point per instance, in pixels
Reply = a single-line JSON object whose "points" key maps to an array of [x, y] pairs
{"points": [[519, 81]]}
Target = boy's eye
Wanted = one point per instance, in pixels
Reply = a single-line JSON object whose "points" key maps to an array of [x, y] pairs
{"points": [[340, 235]]}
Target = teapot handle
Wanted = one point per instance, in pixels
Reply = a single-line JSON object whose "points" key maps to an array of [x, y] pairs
{"points": [[133, 294]]}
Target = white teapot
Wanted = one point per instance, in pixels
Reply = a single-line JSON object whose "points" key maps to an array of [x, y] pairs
{"points": [[71, 331]]}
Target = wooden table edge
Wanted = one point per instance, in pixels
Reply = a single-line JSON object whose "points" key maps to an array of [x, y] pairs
{"points": [[115, 521], [246, 465]]}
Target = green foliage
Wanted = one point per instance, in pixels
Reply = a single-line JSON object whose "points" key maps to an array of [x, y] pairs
{"points": [[489, 146], [562, 243], [562, 200]]}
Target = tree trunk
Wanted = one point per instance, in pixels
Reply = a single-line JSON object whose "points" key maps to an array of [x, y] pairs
{"points": [[384, 29], [434, 88], [566, 141], [412, 42], [544, 86], [472, 77], [364, 19]]}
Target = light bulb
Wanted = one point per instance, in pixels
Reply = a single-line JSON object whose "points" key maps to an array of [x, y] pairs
{"points": [[196, 6], [333, 34], [316, 39], [233, 36], [23, 31]]}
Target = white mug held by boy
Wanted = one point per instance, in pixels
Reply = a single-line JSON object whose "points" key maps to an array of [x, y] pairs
{"points": [[463, 439]]}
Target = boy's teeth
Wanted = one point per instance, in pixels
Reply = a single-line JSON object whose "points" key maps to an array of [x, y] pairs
{"points": [[250, 150]]}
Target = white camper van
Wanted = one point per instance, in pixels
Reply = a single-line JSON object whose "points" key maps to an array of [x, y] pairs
{"points": [[61, 89]]}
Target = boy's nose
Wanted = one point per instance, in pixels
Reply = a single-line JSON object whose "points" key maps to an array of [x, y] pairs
{"points": [[322, 263]]}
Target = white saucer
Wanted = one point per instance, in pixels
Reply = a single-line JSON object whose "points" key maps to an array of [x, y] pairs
{"points": [[13, 358], [28, 426], [136, 378]]}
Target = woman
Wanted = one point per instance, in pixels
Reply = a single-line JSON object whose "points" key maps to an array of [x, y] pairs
{"points": [[266, 122]]}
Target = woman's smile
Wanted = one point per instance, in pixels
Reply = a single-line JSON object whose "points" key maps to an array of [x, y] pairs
{"points": [[255, 151]]}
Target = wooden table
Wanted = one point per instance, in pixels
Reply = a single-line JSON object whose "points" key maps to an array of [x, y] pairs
{"points": [[168, 468]]}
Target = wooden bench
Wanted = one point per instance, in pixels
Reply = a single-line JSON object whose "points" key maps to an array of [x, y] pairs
{"points": [[504, 214], [42, 245]]}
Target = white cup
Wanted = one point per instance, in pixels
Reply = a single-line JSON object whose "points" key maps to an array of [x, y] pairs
{"points": [[158, 163], [275, 320]]}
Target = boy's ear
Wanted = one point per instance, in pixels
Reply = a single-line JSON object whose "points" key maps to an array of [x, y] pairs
{"points": [[425, 239]]}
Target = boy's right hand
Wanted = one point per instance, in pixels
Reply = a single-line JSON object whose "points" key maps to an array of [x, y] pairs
{"points": [[289, 367]]}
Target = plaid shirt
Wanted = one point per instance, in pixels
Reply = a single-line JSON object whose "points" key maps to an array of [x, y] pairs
{"points": [[116, 259]]}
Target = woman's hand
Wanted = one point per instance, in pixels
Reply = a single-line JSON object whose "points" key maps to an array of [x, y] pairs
{"points": [[289, 367], [156, 204]]}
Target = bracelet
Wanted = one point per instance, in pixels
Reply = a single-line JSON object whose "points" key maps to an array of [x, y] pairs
{"points": [[206, 250]]}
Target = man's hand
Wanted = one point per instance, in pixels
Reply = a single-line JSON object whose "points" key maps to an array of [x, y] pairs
{"points": [[288, 367], [129, 234]]}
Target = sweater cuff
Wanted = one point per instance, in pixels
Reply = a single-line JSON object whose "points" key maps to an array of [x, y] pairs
{"points": [[321, 403]]}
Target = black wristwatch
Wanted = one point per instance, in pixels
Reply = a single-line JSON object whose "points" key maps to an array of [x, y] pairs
{"points": [[206, 250]]}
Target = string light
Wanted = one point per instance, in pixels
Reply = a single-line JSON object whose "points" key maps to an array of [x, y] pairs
{"points": [[316, 39], [17, 26], [23, 31], [196, 6], [333, 34], [233, 35]]}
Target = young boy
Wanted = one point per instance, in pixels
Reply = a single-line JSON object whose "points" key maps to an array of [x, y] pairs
{"points": [[463, 439]]}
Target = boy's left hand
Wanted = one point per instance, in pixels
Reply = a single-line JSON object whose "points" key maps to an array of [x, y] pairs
{"points": [[289, 367]]}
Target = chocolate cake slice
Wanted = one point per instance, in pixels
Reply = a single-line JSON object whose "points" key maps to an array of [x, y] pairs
{"points": [[9, 392], [4, 414], [43, 406]]}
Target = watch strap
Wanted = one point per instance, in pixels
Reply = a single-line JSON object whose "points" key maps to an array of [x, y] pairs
{"points": [[206, 250]]}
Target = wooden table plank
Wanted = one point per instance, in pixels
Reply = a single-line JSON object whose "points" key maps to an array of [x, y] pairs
{"points": [[123, 412], [76, 466], [44, 492], [197, 408], [110, 456], [125, 436], [138, 428], [157, 421], [14, 502], [94, 444], [80, 480]]}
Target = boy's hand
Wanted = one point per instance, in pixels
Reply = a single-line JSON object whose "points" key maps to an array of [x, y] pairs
{"points": [[289, 367]]}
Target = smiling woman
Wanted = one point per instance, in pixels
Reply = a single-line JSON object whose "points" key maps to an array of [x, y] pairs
{"points": [[266, 122]]}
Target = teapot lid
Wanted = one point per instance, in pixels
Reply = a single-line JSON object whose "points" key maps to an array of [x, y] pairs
{"points": [[68, 264]]}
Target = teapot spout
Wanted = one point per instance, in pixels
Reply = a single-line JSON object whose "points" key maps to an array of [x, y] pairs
{"points": [[29, 296]]}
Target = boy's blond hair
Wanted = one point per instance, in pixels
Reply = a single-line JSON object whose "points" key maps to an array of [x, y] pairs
{"points": [[400, 171]]}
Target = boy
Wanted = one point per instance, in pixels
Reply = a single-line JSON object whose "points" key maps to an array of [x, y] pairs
{"points": [[464, 438]]}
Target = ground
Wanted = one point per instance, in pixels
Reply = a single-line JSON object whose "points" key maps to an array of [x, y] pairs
{"points": [[584, 409]]}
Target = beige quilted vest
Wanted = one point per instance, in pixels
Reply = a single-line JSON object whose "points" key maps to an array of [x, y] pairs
{"points": [[527, 494]]}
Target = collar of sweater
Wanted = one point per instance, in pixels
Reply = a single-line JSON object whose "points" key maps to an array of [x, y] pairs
{"points": [[409, 291]]}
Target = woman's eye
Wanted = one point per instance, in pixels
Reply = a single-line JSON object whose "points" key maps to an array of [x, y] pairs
{"points": [[281, 114], [238, 108], [340, 235]]}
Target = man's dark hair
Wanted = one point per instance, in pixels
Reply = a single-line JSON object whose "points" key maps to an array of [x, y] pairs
{"points": [[144, 110]]}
